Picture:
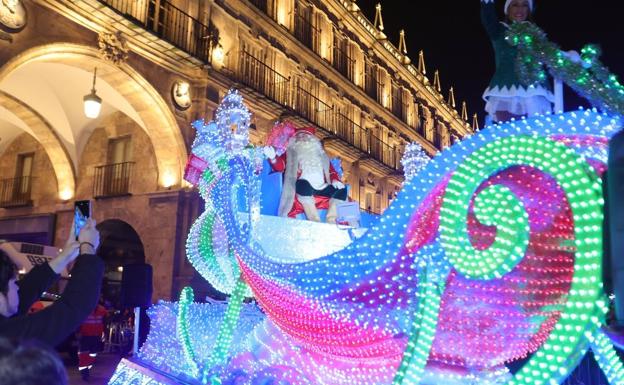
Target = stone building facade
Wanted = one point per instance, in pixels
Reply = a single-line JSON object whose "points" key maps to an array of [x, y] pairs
{"points": [[160, 66]]}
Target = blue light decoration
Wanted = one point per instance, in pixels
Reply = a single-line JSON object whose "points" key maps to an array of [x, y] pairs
{"points": [[491, 253], [130, 373]]}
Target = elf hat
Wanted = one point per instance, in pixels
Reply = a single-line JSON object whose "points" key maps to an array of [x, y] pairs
{"points": [[508, 3]]}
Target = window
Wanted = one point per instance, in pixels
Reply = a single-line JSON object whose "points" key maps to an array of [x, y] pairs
{"points": [[305, 31], [16, 191], [119, 150], [397, 101], [377, 209], [341, 60], [283, 11], [114, 178], [368, 205], [383, 94], [23, 174], [370, 80]]}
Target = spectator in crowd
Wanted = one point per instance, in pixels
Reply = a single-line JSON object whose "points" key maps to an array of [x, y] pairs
{"points": [[54, 323], [90, 342], [29, 363]]}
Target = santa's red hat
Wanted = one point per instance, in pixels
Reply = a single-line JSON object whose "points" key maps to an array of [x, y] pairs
{"points": [[310, 130]]}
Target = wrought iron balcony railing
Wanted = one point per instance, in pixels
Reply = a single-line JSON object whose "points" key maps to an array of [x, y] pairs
{"points": [[256, 74], [16, 192], [168, 22], [178, 28], [384, 152], [313, 109], [112, 180], [351, 132]]}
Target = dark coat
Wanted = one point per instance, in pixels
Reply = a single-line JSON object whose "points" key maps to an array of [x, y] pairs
{"points": [[54, 323]]}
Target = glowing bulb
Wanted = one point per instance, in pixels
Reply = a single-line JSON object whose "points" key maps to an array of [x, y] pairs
{"points": [[169, 179], [66, 194]]}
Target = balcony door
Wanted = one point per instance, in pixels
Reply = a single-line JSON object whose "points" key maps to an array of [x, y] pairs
{"points": [[117, 171], [23, 176]]}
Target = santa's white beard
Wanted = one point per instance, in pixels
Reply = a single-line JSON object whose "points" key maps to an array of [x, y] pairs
{"points": [[310, 155]]}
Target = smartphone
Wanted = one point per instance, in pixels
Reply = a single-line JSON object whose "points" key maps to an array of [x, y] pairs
{"points": [[82, 212]]}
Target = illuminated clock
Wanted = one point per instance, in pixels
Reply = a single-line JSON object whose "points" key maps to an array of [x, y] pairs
{"points": [[181, 94]]}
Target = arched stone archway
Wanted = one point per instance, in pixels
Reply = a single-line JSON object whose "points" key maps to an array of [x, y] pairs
{"points": [[156, 117], [120, 245], [45, 134]]}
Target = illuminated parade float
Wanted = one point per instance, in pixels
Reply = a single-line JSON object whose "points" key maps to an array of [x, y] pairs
{"points": [[490, 257]]}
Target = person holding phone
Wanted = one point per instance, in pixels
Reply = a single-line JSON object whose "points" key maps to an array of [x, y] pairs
{"points": [[82, 212], [54, 323]]}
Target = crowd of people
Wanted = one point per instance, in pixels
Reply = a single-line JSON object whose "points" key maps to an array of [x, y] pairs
{"points": [[30, 329]]}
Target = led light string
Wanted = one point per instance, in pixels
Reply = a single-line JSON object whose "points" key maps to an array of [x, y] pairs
{"points": [[186, 298], [606, 356], [486, 323], [590, 78], [377, 257], [495, 206], [424, 324], [413, 160], [227, 326], [126, 374], [583, 194]]}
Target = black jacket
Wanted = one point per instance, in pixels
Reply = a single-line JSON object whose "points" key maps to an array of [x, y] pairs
{"points": [[54, 323]]}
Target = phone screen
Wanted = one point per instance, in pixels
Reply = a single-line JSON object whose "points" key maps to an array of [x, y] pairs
{"points": [[82, 212]]}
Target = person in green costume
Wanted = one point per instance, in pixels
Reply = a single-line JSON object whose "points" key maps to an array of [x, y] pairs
{"points": [[506, 97]]}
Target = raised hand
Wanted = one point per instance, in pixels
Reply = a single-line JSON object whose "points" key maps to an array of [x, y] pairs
{"points": [[269, 152], [89, 236]]}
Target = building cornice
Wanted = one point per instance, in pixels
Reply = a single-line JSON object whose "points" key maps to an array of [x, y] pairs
{"points": [[388, 54], [99, 18]]}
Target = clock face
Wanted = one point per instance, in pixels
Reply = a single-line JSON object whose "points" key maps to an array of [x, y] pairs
{"points": [[181, 95], [12, 15]]}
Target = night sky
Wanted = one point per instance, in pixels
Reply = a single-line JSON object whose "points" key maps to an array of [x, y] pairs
{"points": [[454, 41]]}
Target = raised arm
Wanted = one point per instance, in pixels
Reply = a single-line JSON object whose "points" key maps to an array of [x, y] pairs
{"points": [[489, 19], [54, 323]]}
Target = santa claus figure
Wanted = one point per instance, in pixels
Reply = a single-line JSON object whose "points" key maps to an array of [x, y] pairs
{"points": [[310, 181]]}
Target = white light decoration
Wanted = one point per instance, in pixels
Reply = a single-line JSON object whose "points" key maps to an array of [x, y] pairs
{"points": [[92, 102], [413, 160], [218, 54]]}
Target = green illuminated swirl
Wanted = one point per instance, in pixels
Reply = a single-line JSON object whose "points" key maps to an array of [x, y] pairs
{"points": [[497, 206], [494, 206], [182, 328]]}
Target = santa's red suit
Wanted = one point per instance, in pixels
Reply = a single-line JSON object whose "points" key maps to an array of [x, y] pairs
{"points": [[310, 181]]}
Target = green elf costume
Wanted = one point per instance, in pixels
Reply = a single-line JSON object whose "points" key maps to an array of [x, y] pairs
{"points": [[506, 93]]}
